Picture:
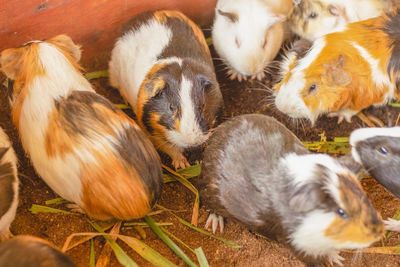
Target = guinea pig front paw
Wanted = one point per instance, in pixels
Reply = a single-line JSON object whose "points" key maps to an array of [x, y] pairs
{"points": [[213, 221], [234, 74], [335, 258], [340, 116], [180, 162], [392, 225], [75, 208]]}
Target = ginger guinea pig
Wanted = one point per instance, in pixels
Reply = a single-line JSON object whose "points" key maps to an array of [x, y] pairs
{"points": [[162, 66], [311, 19], [24, 251], [259, 173], [85, 148], [8, 185], [247, 34], [343, 72]]}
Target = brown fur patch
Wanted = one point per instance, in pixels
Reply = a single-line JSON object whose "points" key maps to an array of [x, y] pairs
{"points": [[57, 141], [111, 190]]}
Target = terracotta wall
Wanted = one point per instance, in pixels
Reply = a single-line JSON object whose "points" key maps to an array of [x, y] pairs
{"points": [[93, 23]]}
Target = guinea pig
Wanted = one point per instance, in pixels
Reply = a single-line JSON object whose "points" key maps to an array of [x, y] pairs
{"points": [[162, 66], [24, 251], [247, 34], [8, 185], [257, 172], [85, 148], [311, 19], [378, 151], [343, 72]]}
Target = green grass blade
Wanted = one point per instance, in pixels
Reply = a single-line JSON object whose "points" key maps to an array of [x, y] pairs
{"points": [[145, 224], [123, 106], [56, 201], [191, 171], [92, 260], [201, 257], [35, 209], [96, 74], [177, 239], [121, 256], [396, 105], [209, 41], [168, 241], [147, 252]]}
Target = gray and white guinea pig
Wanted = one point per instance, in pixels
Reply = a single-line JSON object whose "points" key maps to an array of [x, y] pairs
{"points": [[162, 66], [85, 148], [259, 173], [28, 251], [311, 19], [378, 152], [247, 34], [8, 185]]}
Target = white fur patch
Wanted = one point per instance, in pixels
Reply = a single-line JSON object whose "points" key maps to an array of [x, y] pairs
{"points": [[134, 54], [190, 133]]}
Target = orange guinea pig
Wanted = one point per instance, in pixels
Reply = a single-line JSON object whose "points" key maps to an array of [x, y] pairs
{"points": [[85, 148], [343, 72]]}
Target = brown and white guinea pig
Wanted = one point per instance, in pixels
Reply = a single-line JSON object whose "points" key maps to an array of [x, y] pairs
{"points": [[8, 185], [162, 66], [377, 150], [343, 72], [24, 251], [259, 173], [247, 34], [85, 148], [311, 19]]}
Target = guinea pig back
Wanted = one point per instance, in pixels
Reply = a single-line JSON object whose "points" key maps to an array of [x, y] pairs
{"points": [[172, 86], [85, 148]]}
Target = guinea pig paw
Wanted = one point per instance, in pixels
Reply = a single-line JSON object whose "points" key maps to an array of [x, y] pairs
{"points": [[75, 208], [335, 258], [392, 225], [180, 162], [259, 76], [5, 235], [213, 221], [234, 74]]}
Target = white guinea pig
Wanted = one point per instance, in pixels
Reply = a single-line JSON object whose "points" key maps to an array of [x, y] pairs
{"points": [[247, 34], [8, 185]]}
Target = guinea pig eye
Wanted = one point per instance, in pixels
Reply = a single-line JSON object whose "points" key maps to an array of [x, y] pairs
{"points": [[341, 213], [171, 107], [313, 15], [313, 87], [383, 150]]}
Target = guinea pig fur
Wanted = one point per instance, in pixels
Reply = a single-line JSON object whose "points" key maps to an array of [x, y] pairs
{"points": [[162, 66], [24, 251], [343, 72], [85, 148], [9, 185], [247, 34], [378, 151], [258, 173], [311, 19]]}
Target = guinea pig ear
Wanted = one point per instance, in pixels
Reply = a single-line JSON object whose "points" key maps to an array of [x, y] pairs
{"points": [[337, 11], [334, 74], [233, 17], [65, 43], [277, 18], [11, 62], [296, 2], [307, 197]]}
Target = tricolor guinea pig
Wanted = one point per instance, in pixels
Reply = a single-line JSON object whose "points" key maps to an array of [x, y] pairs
{"points": [[247, 34], [24, 251], [257, 172], [8, 185], [311, 19], [85, 148], [162, 66], [378, 152], [343, 72]]}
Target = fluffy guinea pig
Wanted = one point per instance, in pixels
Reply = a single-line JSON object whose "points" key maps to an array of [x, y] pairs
{"points": [[9, 185], [23, 251], [343, 72], [85, 148], [311, 19], [257, 172], [378, 151], [247, 34], [162, 66]]}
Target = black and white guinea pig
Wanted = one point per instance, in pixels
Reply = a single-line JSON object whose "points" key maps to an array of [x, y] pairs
{"points": [[259, 173], [162, 66], [247, 34], [8, 185], [24, 251], [378, 151], [311, 19], [85, 148]]}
